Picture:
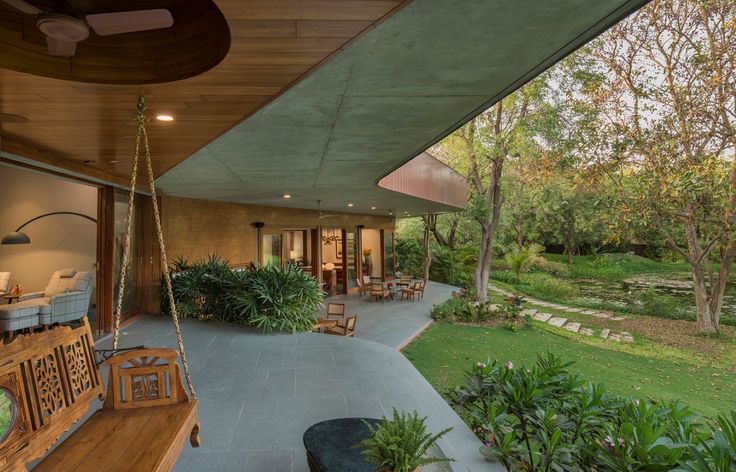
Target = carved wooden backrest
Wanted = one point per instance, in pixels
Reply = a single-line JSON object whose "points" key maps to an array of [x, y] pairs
{"points": [[144, 377], [53, 377]]}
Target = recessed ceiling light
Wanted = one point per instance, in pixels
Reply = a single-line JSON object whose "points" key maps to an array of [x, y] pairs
{"points": [[373, 208], [406, 212], [114, 162], [286, 195], [350, 204], [164, 117]]}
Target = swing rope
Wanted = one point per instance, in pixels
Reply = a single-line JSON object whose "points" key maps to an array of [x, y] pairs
{"points": [[142, 136]]}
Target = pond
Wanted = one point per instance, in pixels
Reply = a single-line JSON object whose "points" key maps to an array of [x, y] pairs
{"points": [[623, 293]]}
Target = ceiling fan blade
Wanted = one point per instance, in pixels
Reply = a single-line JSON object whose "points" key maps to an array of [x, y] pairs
{"points": [[25, 7], [106, 24], [58, 47]]}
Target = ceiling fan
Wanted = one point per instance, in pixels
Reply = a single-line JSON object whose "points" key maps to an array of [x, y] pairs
{"points": [[63, 28], [320, 215]]}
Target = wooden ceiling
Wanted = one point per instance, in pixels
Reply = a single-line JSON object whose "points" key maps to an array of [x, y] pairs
{"points": [[273, 44]]}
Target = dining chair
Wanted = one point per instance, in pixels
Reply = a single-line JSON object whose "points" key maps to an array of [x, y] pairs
{"points": [[379, 292], [348, 329], [335, 310]]}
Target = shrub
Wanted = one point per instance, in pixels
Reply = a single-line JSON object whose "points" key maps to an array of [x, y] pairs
{"points": [[546, 286], [401, 443], [267, 297], [558, 269], [446, 310], [462, 309], [522, 260], [654, 303], [271, 297], [547, 418]]}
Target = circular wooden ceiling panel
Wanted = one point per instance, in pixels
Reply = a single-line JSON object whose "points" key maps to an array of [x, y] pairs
{"points": [[198, 40]]}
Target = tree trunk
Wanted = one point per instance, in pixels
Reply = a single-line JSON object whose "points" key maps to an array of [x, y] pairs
{"points": [[483, 267], [427, 251], [569, 250]]}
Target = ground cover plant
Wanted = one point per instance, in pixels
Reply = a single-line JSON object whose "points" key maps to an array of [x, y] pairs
{"points": [[443, 352], [267, 297], [543, 417]]}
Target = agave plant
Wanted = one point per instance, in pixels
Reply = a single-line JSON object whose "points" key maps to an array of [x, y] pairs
{"points": [[401, 443]]}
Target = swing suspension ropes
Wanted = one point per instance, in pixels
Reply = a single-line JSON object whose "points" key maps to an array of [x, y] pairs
{"points": [[142, 137]]}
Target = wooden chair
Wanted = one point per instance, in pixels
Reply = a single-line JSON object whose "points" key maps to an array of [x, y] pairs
{"points": [[335, 310], [348, 329], [143, 424], [404, 280], [409, 293], [419, 288], [363, 287], [379, 292]]}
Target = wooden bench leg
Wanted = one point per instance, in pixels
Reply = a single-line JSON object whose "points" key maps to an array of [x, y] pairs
{"points": [[194, 436]]}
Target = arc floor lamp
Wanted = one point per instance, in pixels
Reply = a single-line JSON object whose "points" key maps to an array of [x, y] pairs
{"points": [[18, 237]]}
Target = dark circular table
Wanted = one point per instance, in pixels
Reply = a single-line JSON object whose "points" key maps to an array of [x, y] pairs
{"points": [[329, 445]]}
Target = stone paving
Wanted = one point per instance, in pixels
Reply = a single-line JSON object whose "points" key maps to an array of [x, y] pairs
{"points": [[561, 322], [259, 392]]}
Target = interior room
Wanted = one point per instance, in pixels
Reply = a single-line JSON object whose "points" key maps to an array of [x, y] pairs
{"points": [[48, 224]]}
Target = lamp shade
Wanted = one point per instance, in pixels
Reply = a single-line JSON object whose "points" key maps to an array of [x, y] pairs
{"points": [[16, 238], [293, 255]]}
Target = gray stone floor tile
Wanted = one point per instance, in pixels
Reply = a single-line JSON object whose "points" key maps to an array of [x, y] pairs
{"points": [[220, 462], [276, 460], [280, 383], [271, 358], [256, 428], [308, 356], [325, 382], [367, 406]]}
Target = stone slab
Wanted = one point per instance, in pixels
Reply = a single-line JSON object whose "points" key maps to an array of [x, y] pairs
{"points": [[543, 317], [602, 315], [605, 333], [574, 327], [617, 318], [558, 322], [529, 311], [586, 331], [614, 337], [627, 337]]}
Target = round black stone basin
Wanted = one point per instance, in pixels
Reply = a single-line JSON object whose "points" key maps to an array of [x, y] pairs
{"points": [[330, 447]]}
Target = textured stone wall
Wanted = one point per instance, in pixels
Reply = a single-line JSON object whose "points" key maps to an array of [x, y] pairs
{"points": [[195, 228]]}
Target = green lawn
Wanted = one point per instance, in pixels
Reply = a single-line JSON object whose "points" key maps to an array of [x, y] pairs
{"points": [[444, 351]]}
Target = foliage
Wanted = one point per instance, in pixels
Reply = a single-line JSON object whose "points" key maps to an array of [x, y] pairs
{"points": [[449, 266], [546, 418], [462, 309], [400, 444], [277, 298], [200, 288], [443, 351], [512, 313], [6, 412], [658, 304], [268, 297], [545, 286], [522, 260]]}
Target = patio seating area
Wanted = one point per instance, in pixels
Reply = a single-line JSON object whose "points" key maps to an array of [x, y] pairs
{"points": [[258, 393]]}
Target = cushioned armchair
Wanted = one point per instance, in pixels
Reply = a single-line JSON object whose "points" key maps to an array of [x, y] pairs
{"points": [[5, 282], [67, 297]]}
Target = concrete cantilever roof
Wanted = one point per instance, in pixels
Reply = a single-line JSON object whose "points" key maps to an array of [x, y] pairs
{"points": [[386, 97]]}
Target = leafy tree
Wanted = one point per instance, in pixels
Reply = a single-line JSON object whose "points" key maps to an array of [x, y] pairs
{"points": [[662, 87]]}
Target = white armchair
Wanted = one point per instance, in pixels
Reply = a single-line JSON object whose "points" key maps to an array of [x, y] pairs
{"points": [[67, 294], [6, 279]]}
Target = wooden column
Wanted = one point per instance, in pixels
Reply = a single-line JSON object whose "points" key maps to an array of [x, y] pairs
{"points": [[105, 259], [382, 250], [148, 259]]}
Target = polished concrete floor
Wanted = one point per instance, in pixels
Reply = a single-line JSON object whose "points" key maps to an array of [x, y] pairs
{"points": [[259, 392]]}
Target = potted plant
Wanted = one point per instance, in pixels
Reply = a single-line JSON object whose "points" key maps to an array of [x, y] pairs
{"points": [[400, 444]]}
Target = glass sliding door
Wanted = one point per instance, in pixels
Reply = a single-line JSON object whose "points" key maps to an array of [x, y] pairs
{"points": [[351, 254], [271, 244]]}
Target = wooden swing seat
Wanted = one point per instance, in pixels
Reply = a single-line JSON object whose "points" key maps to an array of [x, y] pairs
{"points": [[145, 420]]}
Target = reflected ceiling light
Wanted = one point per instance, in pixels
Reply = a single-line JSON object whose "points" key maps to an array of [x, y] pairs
{"points": [[286, 195], [350, 204], [164, 117], [114, 162]]}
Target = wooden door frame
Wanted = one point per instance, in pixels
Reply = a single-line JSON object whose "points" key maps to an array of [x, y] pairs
{"points": [[105, 259]]}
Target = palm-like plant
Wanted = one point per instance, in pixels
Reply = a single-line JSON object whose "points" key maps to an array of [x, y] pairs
{"points": [[522, 260], [275, 298], [400, 444]]}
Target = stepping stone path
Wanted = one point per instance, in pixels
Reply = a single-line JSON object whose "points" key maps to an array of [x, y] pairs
{"points": [[574, 327], [558, 322]]}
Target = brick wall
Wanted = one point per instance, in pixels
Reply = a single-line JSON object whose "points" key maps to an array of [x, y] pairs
{"points": [[195, 228]]}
